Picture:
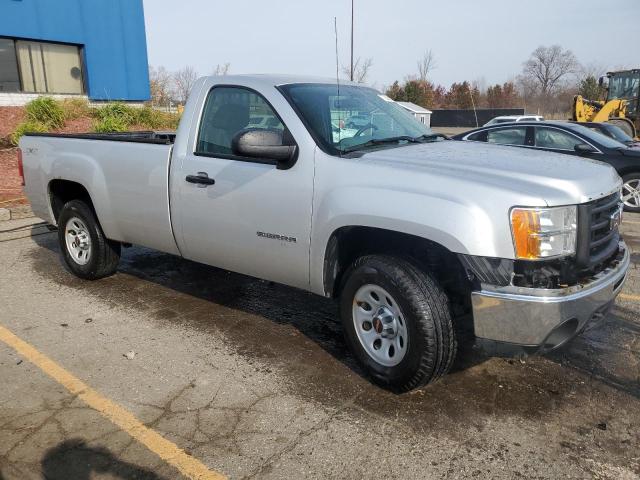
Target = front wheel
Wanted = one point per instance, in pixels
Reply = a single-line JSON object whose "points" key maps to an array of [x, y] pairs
{"points": [[631, 192], [86, 251], [397, 321]]}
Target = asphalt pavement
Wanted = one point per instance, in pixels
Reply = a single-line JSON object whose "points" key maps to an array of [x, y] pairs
{"points": [[172, 369]]}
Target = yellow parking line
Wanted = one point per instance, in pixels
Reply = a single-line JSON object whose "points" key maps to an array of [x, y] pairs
{"points": [[166, 450], [626, 296]]}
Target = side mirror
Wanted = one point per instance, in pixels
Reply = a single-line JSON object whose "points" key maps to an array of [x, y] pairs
{"points": [[584, 149], [268, 144]]}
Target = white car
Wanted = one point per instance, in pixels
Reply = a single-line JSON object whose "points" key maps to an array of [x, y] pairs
{"points": [[514, 118]]}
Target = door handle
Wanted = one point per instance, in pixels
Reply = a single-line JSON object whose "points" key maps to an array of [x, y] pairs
{"points": [[200, 179]]}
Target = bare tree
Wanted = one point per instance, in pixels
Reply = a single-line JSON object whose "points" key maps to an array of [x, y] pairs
{"points": [[360, 69], [160, 85], [183, 81], [547, 68], [592, 69], [221, 69], [426, 65]]}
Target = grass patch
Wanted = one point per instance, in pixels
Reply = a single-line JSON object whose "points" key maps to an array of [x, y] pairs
{"points": [[156, 119], [74, 108], [45, 111], [110, 124], [45, 114], [27, 127], [118, 117], [116, 110]]}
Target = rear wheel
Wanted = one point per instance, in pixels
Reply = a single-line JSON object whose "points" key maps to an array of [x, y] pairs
{"points": [[396, 320], [86, 251]]}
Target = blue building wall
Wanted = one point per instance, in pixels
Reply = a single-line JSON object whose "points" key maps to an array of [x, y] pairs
{"points": [[111, 32]]}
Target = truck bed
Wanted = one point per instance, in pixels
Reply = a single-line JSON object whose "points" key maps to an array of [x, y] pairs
{"points": [[147, 136], [125, 174]]}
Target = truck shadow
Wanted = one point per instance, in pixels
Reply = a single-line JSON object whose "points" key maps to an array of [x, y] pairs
{"points": [[230, 302], [284, 326], [73, 459]]}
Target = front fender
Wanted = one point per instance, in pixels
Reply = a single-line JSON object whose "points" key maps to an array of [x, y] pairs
{"points": [[459, 227]]}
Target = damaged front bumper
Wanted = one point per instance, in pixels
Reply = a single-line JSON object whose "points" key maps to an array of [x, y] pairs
{"points": [[547, 318]]}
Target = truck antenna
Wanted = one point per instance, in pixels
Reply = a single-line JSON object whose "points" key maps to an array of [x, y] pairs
{"points": [[335, 28]]}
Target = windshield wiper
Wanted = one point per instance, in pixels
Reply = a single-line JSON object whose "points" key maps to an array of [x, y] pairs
{"points": [[382, 141]]}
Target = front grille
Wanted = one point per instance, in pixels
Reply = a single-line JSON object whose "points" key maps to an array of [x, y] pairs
{"points": [[598, 236]]}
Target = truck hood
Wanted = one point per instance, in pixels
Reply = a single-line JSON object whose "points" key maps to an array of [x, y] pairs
{"points": [[556, 179]]}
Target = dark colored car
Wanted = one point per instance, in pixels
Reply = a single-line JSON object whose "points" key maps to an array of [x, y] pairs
{"points": [[614, 132], [572, 139]]}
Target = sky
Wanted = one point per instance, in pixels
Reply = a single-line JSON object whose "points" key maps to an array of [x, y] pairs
{"points": [[485, 40]]}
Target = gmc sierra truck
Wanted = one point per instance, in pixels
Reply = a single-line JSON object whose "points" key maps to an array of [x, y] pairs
{"points": [[409, 231]]}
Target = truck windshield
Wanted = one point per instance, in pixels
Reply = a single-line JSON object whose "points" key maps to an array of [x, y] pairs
{"points": [[348, 118], [624, 85]]}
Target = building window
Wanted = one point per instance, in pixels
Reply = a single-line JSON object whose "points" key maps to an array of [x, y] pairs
{"points": [[9, 77], [43, 67]]}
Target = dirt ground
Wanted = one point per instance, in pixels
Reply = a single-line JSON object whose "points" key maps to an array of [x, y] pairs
{"points": [[253, 380], [10, 181]]}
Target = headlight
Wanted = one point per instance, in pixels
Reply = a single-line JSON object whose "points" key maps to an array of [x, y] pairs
{"points": [[543, 232]]}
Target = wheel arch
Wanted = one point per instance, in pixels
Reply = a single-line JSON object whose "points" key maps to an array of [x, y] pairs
{"points": [[348, 243], [630, 169], [61, 191]]}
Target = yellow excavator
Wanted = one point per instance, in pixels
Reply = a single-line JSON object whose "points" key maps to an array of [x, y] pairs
{"points": [[621, 106]]}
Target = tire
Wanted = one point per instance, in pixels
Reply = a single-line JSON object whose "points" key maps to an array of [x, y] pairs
{"points": [[631, 191], [417, 308], [625, 124], [86, 251]]}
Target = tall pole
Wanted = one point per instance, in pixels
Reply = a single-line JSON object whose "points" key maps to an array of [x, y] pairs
{"points": [[351, 41], [473, 104]]}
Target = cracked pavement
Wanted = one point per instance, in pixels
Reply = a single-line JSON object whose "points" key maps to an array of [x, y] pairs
{"points": [[254, 380]]}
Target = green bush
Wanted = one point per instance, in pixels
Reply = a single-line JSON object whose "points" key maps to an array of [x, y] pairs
{"points": [[116, 110], [45, 111], [75, 108], [27, 127], [118, 117], [45, 114], [156, 119], [111, 124], [150, 118]]}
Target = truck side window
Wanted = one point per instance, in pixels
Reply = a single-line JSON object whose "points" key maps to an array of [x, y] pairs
{"points": [[553, 138], [227, 111], [508, 136]]}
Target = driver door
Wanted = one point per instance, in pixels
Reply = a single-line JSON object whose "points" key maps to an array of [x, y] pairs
{"points": [[243, 214]]}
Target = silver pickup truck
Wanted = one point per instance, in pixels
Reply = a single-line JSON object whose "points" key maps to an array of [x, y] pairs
{"points": [[412, 233]]}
